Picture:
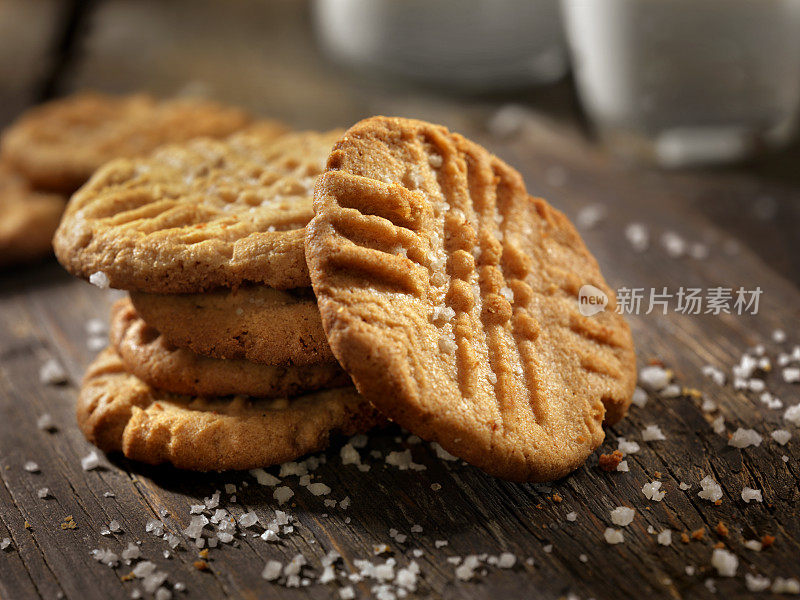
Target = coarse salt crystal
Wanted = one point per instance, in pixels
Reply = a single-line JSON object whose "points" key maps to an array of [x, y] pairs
{"points": [[753, 545], [466, 570], [785, 586], [90, 461], [674, 244], [715, 374], [403, 461], [725, 562], [572, 516], [711, 489], [639, 397], [162, 593], [622, 467], [52, 373], [248, 519], [282, 494], [652, 491], [654, 378], [756, 583], [749, 494], [627, 447], [264, 478], [31, 467], [638, 236], [718, 425], [665, 537], [652, 433], [781, 436], [272, 570], [347, 593], [441, 453], [43, 493], [589, 216], [791, 374], [671, 391], [319, 489], [506, 560], [613, 536], [742, 438], [622, 516], [5, 543], [792, 415], [446, 345], [45, 422], [99, 279]]}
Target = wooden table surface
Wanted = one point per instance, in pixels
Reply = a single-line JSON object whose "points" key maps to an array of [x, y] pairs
{"points": [[261, 55]]}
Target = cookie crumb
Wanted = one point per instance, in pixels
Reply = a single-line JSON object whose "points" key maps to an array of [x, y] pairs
{"points": [[609, 462]]}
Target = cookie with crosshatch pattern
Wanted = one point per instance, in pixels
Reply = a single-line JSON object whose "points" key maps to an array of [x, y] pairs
{"points": [[118, 411], [199, 215], [58, 145], [254, 323], [451, 298], [148, 356]]}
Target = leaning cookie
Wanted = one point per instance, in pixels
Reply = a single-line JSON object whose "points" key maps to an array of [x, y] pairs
{"points": [[118, 411], [196, 216], [58, 145], [255, 323], [28, 219], [451, 298], [148, 356]]}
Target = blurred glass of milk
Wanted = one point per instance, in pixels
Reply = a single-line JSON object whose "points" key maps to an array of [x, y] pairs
{"points": [[474, 45], [686, 82]]}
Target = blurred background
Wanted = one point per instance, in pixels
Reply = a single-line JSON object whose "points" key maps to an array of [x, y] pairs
{"points": [[704, 94]]}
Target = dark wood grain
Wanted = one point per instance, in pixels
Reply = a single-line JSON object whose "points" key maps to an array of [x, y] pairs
{"points": [[43, 314]]}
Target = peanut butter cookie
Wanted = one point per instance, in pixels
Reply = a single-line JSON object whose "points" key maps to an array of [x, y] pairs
{"points": [[256, 323], [148, 356], [451, 297], [200, 215], [118, 411], [28, 219], [58, 145]]}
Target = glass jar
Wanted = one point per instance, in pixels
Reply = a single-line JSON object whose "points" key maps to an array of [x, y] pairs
{"points": [[685, 82]]}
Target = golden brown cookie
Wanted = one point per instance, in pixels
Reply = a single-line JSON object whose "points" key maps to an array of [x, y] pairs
{"points": [[27, 219], [196, 216], [451, 298], [148, 356], [118, 411], [255, 323], [58, 145]]}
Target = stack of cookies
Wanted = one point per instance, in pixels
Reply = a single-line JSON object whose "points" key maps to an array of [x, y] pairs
{"points": [[218, 359], [53, 149], [444, 292]]}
